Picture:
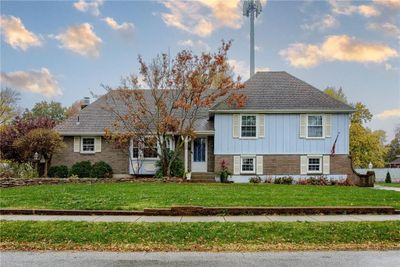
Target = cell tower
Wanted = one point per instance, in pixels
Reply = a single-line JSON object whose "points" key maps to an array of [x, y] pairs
{"points": [[252, 8]]}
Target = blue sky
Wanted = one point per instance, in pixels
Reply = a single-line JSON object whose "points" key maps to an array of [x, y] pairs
{"points": [[62, 50]]}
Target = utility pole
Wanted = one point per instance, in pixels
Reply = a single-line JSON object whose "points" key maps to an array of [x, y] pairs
{"points": [[252, 8]]}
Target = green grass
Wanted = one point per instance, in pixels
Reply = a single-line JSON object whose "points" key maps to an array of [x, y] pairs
{"points": [[195, 235], [136, 196], [389, 184]]}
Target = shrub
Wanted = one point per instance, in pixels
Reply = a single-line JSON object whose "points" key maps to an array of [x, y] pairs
{"points": [[283, 180], [82, 169], [268, 180], [177, 168], [388, 178], [255, 180], [101, 170], [58, 171], [9, 169], [345, 182]]}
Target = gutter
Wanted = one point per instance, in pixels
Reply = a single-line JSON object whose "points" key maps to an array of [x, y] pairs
{"points": [[284, 111]]}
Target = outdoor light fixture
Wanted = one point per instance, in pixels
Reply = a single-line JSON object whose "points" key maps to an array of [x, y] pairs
{"points": [[251, 8]]}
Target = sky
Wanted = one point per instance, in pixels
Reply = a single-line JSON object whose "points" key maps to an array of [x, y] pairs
{"points": [[64, 50]]}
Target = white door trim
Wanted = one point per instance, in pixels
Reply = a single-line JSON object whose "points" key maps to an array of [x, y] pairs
{"points": [[200, 166]]}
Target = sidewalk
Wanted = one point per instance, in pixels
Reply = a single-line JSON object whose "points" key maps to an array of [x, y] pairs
{"points": [[139, 219], [380, 187]]}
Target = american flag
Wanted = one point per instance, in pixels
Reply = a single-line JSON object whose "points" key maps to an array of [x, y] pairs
{"points": [[333, 150]]}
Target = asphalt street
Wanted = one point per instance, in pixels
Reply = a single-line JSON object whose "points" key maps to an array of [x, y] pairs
{"points": [[298, 259]]}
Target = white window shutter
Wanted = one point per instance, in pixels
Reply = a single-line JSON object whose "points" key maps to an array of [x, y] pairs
{"points": [[236, 125], [98, 144], [326, 165], [77, 144], [327, 125], [303, 125], [303, 164], [236, 164], [259, 164], [261, 126]]}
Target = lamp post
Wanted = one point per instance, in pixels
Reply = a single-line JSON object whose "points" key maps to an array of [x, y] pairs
{"points": [[36, 160]]}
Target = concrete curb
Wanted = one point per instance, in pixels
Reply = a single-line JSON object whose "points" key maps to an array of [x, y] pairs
{"points": [[210, 211]]}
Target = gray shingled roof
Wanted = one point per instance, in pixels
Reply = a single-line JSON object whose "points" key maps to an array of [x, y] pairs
{"points": [[278, 91], [266, 92], [94, 118]]}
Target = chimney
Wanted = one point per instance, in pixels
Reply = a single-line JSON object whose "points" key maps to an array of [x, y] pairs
{"points": [[85, 102]]}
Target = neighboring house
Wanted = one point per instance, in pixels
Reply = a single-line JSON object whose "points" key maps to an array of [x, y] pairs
{"points": [[287, 127], [395, 163]]}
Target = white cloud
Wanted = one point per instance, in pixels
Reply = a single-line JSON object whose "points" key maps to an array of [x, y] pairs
{"points": [[389, 114], [345, 7], [199, 44], [337, 48], [387, 28], [326, 22], [89, 6], [388, 3], [204, 16], [125, 28], [16, 35], [242, 69], [35, 81], [80, 39]]}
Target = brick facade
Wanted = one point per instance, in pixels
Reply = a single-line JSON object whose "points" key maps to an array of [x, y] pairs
{"points": [[290, 165], [116, 158]]}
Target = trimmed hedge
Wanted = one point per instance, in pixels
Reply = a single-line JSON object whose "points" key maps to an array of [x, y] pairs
{"points": [[101, 170], [58, 171], [82, 169]]}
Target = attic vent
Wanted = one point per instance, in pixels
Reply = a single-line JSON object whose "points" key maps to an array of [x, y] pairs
{"points": [[85, 102]]}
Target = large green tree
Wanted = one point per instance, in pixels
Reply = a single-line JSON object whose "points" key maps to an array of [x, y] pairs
{"points": [[394, 146], [52, 110], [8, 104], [365, 145]]}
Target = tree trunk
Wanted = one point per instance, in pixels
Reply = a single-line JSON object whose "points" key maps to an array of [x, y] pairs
{"points": [[45, 168]]}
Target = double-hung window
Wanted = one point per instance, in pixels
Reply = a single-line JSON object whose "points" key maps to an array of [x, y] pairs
{"points": [[315, 126], [88, 145], [150, 148], [314, 165], [248, 126], [248, 165]]}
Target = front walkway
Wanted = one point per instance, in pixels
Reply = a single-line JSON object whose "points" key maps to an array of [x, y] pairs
{"points": [[397, 189], [138, 219]]}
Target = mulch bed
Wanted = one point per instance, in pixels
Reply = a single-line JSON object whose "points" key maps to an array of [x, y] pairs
{"points": [[208, 211]]}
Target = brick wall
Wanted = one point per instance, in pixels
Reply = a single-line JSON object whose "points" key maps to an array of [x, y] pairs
{"points": [[210, 154], [290, 164], [117, 159]]}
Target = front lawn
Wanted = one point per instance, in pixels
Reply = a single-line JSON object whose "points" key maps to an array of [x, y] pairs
{"points": [[136, 196], [59, 235]]}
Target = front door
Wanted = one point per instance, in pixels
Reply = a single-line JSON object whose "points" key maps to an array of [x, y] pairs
{"points": [[199, 155]]}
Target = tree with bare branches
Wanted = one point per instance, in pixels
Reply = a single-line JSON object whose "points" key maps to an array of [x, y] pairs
{"points": [[178, 93]]}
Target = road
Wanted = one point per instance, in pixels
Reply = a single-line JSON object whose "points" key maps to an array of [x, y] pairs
{"points": [[298, 259]]}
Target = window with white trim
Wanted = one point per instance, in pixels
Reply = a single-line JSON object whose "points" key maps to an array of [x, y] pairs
{"points": [[135, 149], [314, 165], [88, 144], [248, 126], [150, 148], [315, 128], [248, 165]]}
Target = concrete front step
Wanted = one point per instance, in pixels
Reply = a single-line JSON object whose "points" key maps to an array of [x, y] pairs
{"points": [[204, 176]]}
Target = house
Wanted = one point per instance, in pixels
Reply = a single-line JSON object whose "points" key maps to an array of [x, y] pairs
{"points": [[395, 163], [286, 128]]}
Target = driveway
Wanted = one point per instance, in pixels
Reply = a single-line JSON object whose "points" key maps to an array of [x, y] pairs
{"points": [[298, 259]]}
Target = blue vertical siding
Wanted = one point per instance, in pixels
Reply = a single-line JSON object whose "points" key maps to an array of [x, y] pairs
{"points": [[281, 137]]}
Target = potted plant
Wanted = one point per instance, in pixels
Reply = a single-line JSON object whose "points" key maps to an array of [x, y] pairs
{"points": [[224, 173]]}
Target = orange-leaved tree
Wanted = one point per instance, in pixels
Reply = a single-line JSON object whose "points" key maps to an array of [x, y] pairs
{"points": [[169, 97]]}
